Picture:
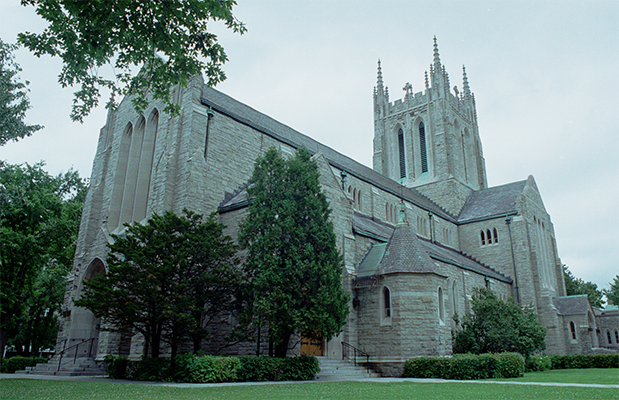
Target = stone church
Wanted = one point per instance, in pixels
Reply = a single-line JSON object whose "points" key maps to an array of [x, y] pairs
{"points": [[417, 232]]}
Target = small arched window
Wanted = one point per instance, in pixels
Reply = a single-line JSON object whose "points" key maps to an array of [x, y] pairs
{"points": [[572, 330], [483, 238], [489, 236], [496, 235], [423, 154], [609, 337], [402, 154], [616, 336], [386, 303]]}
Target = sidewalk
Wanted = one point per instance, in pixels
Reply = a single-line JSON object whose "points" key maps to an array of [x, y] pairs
{"points": [[374, 380]]}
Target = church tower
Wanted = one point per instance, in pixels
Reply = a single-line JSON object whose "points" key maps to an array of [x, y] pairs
{"points": [[430, 140]]}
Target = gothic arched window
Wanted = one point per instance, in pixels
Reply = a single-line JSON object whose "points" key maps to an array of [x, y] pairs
{"points": [[496, 235], [572, 330], [441, 305], [422, 148], [402, 154], [483, 238], [386, 303]]}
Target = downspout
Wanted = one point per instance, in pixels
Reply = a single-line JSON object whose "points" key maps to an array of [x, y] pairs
{"points": [[508, 221], [431, 227]]}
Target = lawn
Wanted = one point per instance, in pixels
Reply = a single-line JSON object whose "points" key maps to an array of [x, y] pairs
{"points": [[600, 376], [50, 390]]}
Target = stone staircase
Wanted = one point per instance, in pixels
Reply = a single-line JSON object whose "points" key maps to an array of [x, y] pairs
{"points": [[83, 366], [340, 370]]}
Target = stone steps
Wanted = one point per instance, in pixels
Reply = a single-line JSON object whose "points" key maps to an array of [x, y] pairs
{"points": [[81, 367], [335, 370]]}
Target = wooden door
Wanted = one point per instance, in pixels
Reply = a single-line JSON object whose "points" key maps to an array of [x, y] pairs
{"points": [[314, 347]]}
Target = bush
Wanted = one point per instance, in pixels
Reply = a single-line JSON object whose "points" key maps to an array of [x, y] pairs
{"points": [[116, 367], [19, 363], [257, 369], [509, 365], [585, 361], [301, 368], [466, 366], [538, 363], [425, 367], [149, 369]]}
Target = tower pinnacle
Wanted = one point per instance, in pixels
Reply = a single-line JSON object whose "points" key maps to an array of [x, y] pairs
{"points": [[465, 83], [437, 58], [379, 84]]}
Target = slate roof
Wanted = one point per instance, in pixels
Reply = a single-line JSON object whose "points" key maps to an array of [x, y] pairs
{"points": [[225, 104], [404, 253], [491, 202], [572, 305], [365, 226]]}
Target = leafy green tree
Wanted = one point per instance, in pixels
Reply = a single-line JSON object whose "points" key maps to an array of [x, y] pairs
{"points": [[168, 280], [496, 326], [13, 98], [574, 286], [39, 222], [293, 267], [613, 294], [167, 40], [37, 328]]}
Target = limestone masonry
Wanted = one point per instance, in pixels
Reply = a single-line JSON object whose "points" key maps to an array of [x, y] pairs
{"points": [[417, 232]]}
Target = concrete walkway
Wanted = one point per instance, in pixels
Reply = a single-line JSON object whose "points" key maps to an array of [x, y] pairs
{"points": [[375, 380]]}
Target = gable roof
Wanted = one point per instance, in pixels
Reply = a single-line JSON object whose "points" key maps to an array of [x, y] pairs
{"points": [[491, 202], [244, 114], [572, 305]]}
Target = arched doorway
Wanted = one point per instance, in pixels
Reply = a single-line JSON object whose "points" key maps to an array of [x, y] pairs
{"points": [[84, 324]]}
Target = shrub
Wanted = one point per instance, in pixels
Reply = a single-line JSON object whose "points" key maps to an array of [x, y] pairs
{"points": [[466, 366], [205, 369], [19, 363], [538, 363], [425, 367], [300, 368], [257, 369], [116, 367], [149, 369], [585, 361], [509, 365]]}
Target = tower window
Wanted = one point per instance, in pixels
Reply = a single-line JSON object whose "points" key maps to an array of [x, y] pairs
{"points": [[422, 148], [402, 154]]}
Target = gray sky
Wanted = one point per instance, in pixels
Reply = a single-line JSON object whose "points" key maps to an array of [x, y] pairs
{"points": [[545, 75]]}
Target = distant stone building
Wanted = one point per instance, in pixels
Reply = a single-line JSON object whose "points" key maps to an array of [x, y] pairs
{"points": [[417, 232]]}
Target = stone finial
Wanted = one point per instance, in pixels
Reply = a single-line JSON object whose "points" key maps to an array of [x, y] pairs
{"points": [[426, 80]]}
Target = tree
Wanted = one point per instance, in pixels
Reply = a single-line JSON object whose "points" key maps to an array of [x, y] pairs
{"points": [[612, 295], [39, 222], [37, 328], [575, 286], [496, 326], [13, 98], [167, 40], [293, 267], [168, 280]]}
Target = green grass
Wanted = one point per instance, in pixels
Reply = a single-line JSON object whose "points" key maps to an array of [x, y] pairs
{"points": [[600, 376], [51, 390]]}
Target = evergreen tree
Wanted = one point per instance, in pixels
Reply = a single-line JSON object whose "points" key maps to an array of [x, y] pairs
{"points": [[496, 326], [293, 267], [168, 280]]}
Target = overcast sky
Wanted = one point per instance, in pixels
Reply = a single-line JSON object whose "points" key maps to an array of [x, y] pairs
{"points": [[545, 75]]}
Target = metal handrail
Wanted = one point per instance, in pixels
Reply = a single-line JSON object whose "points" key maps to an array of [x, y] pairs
{"points": [[349, 347], [76, 346]]}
